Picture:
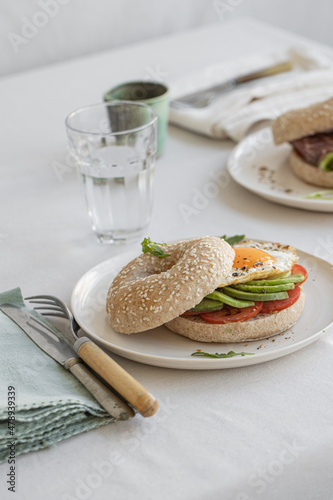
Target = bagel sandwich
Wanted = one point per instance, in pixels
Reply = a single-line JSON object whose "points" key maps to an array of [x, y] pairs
{"points": [[209, 289], [310, 132]]}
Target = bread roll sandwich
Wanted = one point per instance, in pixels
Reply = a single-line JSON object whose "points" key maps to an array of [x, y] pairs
{"points": [[209, 289], [310, 132]]}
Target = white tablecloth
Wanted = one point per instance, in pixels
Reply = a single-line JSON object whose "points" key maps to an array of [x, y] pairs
{"points": [[259, 432]]}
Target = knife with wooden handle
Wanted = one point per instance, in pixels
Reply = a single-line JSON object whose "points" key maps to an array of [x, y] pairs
{"points": [[203, 98], [61, 352]]}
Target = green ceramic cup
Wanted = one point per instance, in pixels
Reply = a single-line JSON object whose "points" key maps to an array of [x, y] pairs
{"points": [[154, 94]]}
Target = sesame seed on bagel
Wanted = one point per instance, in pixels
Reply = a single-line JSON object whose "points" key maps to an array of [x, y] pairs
{"points": [[151, 290]]}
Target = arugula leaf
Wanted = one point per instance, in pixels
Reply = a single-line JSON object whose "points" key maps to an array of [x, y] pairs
{"points": [[153, 248], [229, 354], [232, 240], [321, 195]]}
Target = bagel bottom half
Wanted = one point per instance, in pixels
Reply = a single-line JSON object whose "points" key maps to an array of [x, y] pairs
{"points": [[259, 327], [309, 173]]}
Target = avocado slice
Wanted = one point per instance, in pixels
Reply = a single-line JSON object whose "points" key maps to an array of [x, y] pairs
{"points": [[208, 305], [326, 163], [279, 276], [294, 278], [226, 299], [239, 294], [264, 288]]}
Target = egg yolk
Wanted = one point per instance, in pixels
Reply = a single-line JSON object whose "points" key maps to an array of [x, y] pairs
{"points": [[251, 257]]}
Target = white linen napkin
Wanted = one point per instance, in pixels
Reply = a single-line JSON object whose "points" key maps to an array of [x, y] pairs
{"points": [[232, 114]]}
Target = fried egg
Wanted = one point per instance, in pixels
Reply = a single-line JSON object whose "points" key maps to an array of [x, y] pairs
{"points": [[258, 260]]}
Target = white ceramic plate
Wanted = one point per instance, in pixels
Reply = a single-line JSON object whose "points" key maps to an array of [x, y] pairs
{"points": [[161, 347], [260, 166]]}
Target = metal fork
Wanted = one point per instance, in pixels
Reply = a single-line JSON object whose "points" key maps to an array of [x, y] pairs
{"points": [[97, 359], [55, 307]]}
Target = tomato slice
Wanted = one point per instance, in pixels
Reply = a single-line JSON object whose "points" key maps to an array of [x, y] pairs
{"points": [[231, 314], [297, 269], [278, 305]]}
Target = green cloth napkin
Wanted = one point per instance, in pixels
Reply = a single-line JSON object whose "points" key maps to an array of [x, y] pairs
{"points": [[50, 403]]}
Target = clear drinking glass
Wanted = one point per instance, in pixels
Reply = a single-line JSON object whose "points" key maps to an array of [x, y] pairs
{"points": [[114, 146]]}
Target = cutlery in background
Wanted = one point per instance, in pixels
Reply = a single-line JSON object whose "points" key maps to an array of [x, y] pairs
{"points": [[203, 98], [61, 352]]}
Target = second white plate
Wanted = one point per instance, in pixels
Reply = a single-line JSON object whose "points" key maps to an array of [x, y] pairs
{"points": [[260, 166], [161, 347]]}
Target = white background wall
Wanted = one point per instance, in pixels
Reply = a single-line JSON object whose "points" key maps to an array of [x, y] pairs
{"points": [[38, 32]]}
